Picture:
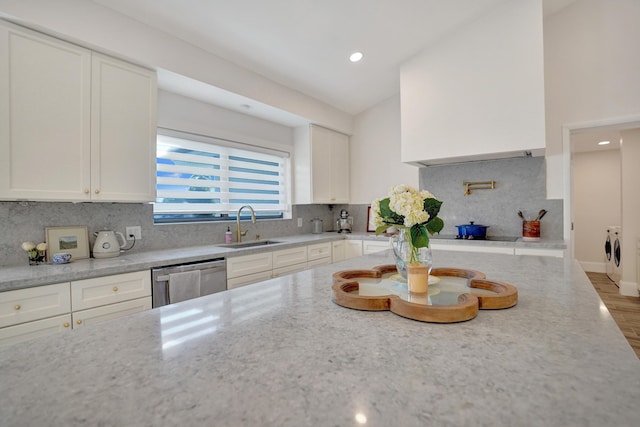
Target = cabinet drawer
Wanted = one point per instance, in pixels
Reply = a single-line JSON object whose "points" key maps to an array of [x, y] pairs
{"points": [[320, 261], [108, 312], [26, 305], [249, 264], [287, 257], [248, 279], [36, 329], [319, 250], [106, 290], [282, 271], [352, 248], [372, 246]]}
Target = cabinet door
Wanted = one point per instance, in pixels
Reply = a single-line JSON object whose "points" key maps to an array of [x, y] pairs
{"points": [[371, 246], [330, 166], [352, 248], [287, 257], [283, 271], [45, 94], [36, 329], [318, 262], [26, 305], [108, 312], [249, 264], [123, 131], [248, 279], [106, 290], [337, 251], [318, 251]]}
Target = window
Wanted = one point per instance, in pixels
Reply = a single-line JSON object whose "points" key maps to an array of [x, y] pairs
{"points": [[208, 179]]}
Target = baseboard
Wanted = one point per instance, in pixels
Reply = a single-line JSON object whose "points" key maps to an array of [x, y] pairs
{"points": [[593, 267], [629, 289]]}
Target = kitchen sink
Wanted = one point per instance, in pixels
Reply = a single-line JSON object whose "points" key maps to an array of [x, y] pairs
{"points": [[242, 245]]}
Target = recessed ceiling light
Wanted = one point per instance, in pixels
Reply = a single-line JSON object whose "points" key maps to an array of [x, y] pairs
{"points": [[603, 142], [355, 56]]}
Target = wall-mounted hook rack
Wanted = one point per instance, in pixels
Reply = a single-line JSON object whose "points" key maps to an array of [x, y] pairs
{"points": [[479, 185]]}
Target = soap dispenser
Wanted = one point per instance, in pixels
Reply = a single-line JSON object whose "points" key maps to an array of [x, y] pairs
{"points": [[228, 235]]}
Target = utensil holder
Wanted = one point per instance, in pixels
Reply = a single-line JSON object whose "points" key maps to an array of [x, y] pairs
{"points": [[530, 230]]}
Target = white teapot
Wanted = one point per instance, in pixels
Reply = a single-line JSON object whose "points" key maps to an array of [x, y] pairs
{"points": [[107, 244]]}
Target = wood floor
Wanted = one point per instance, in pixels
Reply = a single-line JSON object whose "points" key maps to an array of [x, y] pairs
{"points": [[624, 310]]}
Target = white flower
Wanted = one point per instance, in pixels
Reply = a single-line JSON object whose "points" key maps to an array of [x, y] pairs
{"points": [[41, 247], [28, 246]]}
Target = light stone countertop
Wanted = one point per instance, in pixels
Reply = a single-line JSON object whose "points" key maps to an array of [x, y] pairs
{"points": [[24, 276], [281, 353]]}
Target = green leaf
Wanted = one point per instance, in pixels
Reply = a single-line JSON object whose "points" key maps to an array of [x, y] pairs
{"points": [[432, 207], [419, 236], [435, 225], [389, 216]]}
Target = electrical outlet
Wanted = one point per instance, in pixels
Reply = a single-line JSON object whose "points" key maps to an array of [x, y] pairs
{"points": [[136, 231], [299, 222]]}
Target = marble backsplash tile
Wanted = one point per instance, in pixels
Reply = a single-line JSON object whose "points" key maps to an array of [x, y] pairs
{"points": [[24, 221], [520, 185]]}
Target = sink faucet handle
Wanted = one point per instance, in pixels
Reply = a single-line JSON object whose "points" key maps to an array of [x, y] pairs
{"points": [[244, 233], [257, 237]]}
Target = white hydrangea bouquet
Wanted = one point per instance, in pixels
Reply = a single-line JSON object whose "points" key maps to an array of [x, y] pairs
{"points": [[408, 209]]}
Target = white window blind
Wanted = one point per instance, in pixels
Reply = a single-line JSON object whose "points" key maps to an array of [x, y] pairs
{"points": [[199, 175]]}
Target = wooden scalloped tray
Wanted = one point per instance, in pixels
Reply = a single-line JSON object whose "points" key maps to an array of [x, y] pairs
{"points": [[502, 295]]}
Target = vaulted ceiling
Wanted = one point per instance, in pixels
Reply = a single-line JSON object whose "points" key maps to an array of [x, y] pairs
{"points": [[305, 44]]}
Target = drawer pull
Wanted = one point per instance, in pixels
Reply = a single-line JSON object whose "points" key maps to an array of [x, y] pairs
{"points": [[66, 324], [97, 191], [115, 289], [17, 307], [86, 191], [79, 322]]}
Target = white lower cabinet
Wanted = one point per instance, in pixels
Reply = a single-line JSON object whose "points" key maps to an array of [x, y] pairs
{"points": [[40, 302], [111, 311], [352, 248], [540, 252], [236, 282], [319, 253], [372, 246], [44, 310], [337, 251], [37, 328]]}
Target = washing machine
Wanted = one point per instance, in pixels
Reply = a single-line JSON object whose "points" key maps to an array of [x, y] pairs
{"points": [[612, 252]]}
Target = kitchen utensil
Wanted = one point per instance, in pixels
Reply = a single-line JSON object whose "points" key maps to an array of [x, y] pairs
{"points": [[540, 214], [521, 215], [472, 231], [107, 245], [316, 225]]}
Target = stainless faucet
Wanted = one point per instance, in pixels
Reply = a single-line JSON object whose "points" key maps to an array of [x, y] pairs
{"points": [[253, 220]]}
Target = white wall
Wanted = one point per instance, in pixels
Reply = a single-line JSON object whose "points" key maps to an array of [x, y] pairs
{"points": [[479, 91], [375, 153], [597, 204], [189, 115], [630, 151], [591, 71], [102, 29]]}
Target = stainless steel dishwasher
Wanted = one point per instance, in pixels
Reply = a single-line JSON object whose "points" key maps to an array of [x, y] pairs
{"points": [[212, 278]]}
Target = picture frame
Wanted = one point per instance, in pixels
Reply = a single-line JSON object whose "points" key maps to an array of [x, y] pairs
{"points": [[72, 240], [370, 226]]}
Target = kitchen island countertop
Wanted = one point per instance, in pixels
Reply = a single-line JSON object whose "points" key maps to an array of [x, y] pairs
{"points": [[281, 353]]}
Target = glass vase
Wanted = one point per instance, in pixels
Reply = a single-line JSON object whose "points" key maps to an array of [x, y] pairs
{"points": [[405, 253]]}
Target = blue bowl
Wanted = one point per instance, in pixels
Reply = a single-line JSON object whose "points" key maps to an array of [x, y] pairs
{"points": [[61, 258]]}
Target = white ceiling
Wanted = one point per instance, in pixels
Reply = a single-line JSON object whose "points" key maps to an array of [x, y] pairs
{"points": [[305, 44]]}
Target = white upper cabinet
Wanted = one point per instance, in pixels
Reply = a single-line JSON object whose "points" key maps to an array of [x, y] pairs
{"points": [[74, 125], [123, 131], [321, 166], [478, 93]]}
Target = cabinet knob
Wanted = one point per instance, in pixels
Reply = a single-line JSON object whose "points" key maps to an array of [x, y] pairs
{"points": [[66, 324], [97, 191], [17, 307], [115, 289], [86, 191], [79, 322]]}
